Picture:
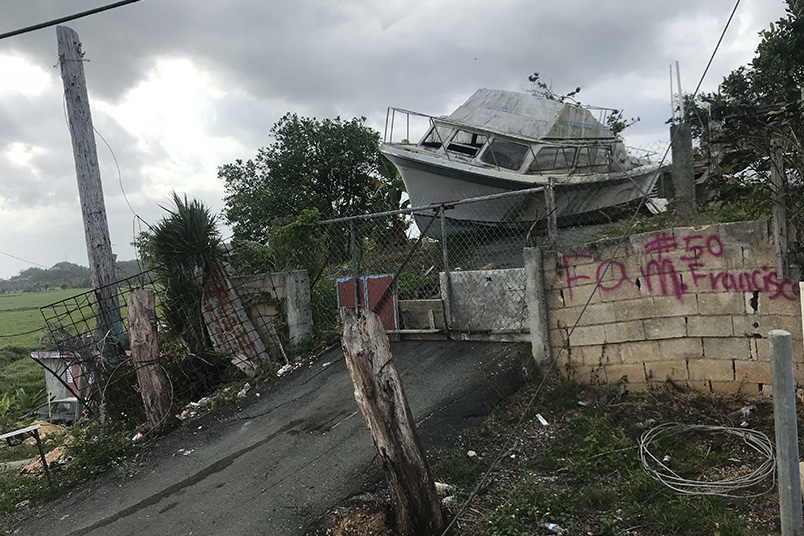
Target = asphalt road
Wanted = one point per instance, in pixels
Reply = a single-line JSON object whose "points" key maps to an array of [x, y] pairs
{"points": [[277, 463]]}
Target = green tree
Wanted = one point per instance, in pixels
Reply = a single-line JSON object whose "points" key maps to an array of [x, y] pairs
{"points": [[332, 166]]}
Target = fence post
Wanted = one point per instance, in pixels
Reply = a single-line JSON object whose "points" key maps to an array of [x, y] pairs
{"points": [[683, 172], [552, 216], [779, 216], [381, 398], [785, 423], [447, 298], [153, 382], [537, 306], [353, 241]]}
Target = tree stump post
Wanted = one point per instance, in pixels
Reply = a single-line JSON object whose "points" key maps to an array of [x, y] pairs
{"points": [[154, 384], [379, 394]]}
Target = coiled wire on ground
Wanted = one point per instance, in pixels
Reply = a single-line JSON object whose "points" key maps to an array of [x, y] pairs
{"points": [[739, 486]]}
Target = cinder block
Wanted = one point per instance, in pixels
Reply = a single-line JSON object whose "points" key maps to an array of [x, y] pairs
{"points": [[715, 370], [579, 294], [710, 326], [634, 309], [726, 348], [557, 337], [625, 331], [598, 313], [746, 325], [564, 317], [765, 323], [779, 306], [686, 348], [671, 306], [637, 352], [665, 328], [589, 375], [623, 292], [721, 303], [744, 233], [752, 372], [588, 335], [555, 299], [661, 371], [701, 386], [590, 355], [632, 373]]}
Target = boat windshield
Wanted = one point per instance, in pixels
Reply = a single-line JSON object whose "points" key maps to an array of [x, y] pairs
{"points": [[466, 143], [593, 159], [553, 158], [436, 137], [505, 154]]}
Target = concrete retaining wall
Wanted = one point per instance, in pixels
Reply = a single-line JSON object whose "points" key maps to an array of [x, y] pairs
{"points": [[278, 297], [691, 306]]}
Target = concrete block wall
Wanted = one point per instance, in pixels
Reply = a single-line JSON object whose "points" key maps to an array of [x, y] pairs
{"points": [[690, 306], [262, 293]]}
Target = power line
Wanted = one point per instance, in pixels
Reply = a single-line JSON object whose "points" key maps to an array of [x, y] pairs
{"points": [[552, 364], [66, 19], [24, 260]]}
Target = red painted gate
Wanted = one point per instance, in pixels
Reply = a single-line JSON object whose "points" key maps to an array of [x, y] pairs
{"points": [[370, 288]]}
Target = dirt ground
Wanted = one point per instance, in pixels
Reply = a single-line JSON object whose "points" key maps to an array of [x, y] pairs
{"points": [[582, 470]]}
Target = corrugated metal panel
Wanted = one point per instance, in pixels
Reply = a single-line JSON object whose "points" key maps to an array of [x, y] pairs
{"points": [[229, 327]]}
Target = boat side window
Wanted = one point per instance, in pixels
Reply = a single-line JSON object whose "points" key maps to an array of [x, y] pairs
{"points": [[593, 159], [466, 143], [553, 158], [505, 154], [436, 137]]}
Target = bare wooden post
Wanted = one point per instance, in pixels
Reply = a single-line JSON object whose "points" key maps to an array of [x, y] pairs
{"points": [[779, 214], [90, 190], [154, 384], [379, 394]]}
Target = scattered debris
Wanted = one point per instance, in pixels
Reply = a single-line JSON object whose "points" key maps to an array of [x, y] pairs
{"points": [[244, 391], [541, 419], [137, 437], [442, 488], [747, 411], [447, 500], [552, 527], [283, 370], [471, 454], [56, 458], [325, 364]]}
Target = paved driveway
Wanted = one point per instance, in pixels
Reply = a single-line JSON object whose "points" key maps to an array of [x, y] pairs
{"points": [[278, 462]]}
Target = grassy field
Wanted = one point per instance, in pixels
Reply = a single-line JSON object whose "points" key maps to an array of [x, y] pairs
{"points": [[20, 313]]}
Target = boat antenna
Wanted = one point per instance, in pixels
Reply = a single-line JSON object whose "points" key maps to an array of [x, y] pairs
{"points": [[672, 98], [680, 95]]}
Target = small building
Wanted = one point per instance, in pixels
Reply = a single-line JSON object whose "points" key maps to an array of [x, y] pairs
{"points": [[62, 374]]}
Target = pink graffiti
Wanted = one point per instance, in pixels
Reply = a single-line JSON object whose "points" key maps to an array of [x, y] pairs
{"points": [[660, 274]]}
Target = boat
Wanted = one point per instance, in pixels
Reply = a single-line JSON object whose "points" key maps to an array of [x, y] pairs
{"points": [[503, 141]]}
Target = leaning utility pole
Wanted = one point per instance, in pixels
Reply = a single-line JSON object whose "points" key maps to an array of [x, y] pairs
{"points": [[90, 191]]}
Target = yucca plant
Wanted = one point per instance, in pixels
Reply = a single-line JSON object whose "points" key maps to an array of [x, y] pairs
{"points": [[181, 248]]}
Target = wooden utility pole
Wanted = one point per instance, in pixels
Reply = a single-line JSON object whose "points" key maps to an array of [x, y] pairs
{"points": [[90, 190], [379, 394], [153, 382], [778, 183]]}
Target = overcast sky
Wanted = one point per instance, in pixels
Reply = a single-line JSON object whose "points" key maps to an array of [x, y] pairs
{"points": [[180, 87]]}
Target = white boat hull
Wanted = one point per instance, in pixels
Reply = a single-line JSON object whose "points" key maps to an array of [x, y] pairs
{"points": [[427, 182]]}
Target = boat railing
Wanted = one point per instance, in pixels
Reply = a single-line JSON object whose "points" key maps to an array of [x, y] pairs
{"points": [[391, 121]]}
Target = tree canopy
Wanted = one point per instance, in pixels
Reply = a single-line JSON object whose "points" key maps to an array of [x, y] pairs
{"points": [[331, 166]]}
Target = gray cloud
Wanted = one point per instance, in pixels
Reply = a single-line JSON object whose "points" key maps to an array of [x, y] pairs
{"points": [[353, 57]]}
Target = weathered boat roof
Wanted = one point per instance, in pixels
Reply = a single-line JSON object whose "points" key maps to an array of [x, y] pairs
{"points": [[521, 115]]}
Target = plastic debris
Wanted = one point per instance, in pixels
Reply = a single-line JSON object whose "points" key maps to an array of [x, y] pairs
{"points": [[554, 528], [447, 500], [283, 370], [442, 489], [138, 436], [541, 419], [646, 424], [666, 458], [244, 391], [744, 424], [471, 454], [326, 364], [747, 411]]}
